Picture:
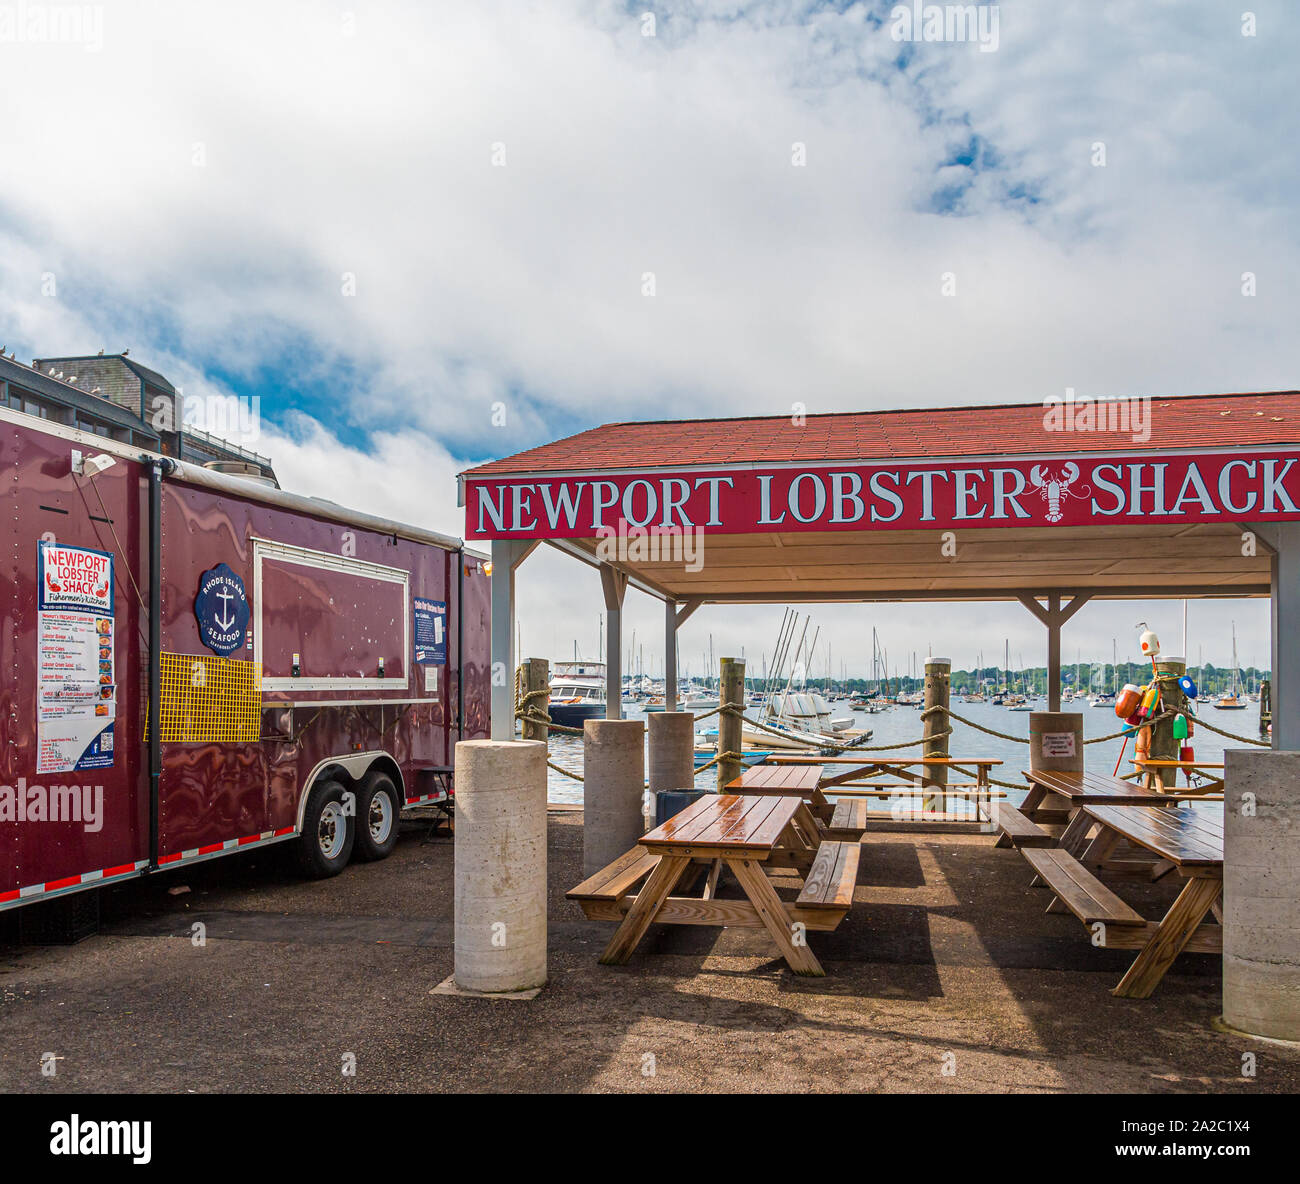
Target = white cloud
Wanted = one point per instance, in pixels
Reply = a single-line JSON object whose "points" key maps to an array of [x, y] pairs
{"points": [[403, 477], [201, 187]]}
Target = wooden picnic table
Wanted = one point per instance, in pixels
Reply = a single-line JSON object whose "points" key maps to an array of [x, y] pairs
{"points": [[1154, 774], [800, 780], [901, 767], [1190, 840], [744, 832], [1080, 790], [844, 819]]}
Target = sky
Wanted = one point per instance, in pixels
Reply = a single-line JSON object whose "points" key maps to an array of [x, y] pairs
{"points": [[418, 235]]}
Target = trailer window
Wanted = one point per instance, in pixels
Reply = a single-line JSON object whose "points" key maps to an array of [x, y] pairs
{"points": [[348, 622]]}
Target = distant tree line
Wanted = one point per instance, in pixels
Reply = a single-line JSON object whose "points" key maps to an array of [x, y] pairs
{"points": [[1089, 677]]}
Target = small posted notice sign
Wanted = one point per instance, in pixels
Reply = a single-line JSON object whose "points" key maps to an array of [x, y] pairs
{"points": [[1057, 744]]}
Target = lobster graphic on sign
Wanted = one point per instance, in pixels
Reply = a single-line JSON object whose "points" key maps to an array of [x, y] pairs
{"points": [[1054, 488]]}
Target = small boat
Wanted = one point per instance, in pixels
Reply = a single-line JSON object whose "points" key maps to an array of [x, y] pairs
{"points": [[577, 693], [1104, 699], [870, 706], [1232, 700], [686, 701], [748, 758]]}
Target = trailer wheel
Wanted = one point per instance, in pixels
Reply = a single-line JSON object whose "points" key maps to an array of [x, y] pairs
{"points": [[378, 806], [327, 832]]}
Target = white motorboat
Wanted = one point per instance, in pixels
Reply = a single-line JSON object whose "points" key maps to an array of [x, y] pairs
{"points": [[577, 693]]}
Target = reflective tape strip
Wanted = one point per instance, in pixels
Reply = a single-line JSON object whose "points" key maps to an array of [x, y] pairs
{"points": [[210, 849], [70, 883], [428, 797]]}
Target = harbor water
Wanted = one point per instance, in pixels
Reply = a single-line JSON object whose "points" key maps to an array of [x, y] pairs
{"points": [[898, 724]]}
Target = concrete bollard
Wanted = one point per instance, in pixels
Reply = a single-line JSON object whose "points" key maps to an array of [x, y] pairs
{"points": [[1261, 884], [500, 930], [613, 770], [1056, 741], [672, 750], [1055, 744]]}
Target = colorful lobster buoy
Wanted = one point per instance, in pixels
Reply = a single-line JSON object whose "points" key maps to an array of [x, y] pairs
{"points": [[1149, 642], [1142, 745], [1187, 686], [1128, 701], [1180, 727], [1185, 753], [1150, 697]]}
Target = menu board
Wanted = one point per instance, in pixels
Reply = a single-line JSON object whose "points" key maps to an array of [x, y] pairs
{"points": [[76, 680]]}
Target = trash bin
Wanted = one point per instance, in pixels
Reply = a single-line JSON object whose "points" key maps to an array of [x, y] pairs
{"points": [[672, 801]]}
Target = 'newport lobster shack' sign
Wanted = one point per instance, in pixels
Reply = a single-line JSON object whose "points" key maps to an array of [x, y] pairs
{"points": [[1166, 488]]}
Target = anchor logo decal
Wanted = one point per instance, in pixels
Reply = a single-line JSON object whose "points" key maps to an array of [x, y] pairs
{"points": [[227, 618], [221, 610]]}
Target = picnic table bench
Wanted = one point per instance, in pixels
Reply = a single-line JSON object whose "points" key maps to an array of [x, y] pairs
{"points": [[1189, 840], [843, 819], [743, 832]]}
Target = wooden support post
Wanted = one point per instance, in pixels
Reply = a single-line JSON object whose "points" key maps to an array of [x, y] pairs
{"points": [[537, 677], [934, 724], [1163, 745], [614, 585], [1054, 615], [1283, 542], [1054, 653], [506, 556], [670, 655], [675, 618], [731, 687]]}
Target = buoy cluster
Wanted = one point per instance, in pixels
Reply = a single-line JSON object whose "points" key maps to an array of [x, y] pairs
{"points": [[1138, 706]]}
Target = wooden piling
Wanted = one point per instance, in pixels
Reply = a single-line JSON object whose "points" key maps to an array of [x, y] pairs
{"points": [[537, 677], [1163, 745], [933, 725], [731, 689]]}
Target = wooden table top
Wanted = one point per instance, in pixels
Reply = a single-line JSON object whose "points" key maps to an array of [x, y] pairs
{"points": [[739, 822], [777, 779], [1083, 788], [1188, 838]]}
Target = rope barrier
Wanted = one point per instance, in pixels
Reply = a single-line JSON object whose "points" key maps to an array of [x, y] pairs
{"points": [[857, 745], [527, 713], [722, 756], [1232, 736], [567, 772], [971, 724]]}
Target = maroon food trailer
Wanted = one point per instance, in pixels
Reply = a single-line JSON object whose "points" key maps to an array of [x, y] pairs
{"points": [[195, 664]]}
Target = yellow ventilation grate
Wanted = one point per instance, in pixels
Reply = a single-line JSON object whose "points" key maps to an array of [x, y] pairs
{"points": [[210, 700]]}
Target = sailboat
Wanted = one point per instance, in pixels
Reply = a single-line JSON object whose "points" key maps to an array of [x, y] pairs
{"points": [[1233, 700], [1107, 698], [793, 715]]}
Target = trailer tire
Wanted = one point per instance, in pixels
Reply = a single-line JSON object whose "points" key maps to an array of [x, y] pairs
{"points": [[328, 832], [378, 807]]}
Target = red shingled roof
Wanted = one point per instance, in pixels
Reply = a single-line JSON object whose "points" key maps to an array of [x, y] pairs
{"points": [[1186, 421]]}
